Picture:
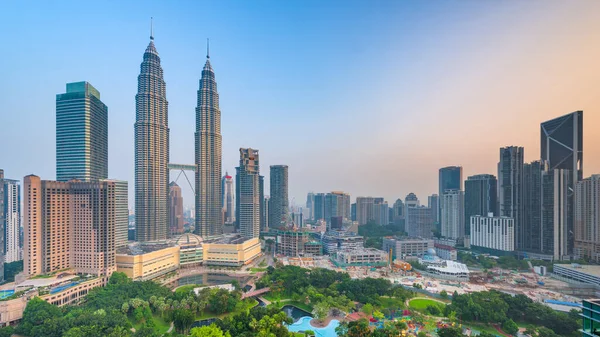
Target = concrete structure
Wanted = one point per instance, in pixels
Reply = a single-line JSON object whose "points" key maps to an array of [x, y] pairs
{"points": [[360, 257], [334, 241], [121, 212], [248, 210], [81, 134], [589, 274], [175, 210], [446, 252], [151, 150], [510, 190], [419, 221], [450, 178], [587, 219], [532, 206], [69, 225], [10, 220], [146, 261], [481, 197], [234, 251], [557, 213], [493, 232], [591, 317], [263, 204], [279, 211], [191, 250], [407, 246], [370, 209], [296, 243], [453, 214], [209, 204], [228, 199]]}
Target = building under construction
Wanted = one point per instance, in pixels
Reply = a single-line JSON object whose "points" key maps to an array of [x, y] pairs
{"points": [[296, 243]]}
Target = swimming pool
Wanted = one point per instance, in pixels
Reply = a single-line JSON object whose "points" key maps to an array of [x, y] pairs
{"points": [[6, 293], [303, 324], [63, 287]]}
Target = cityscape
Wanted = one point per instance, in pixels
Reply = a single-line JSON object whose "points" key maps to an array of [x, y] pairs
{"points": [[501, 240]]}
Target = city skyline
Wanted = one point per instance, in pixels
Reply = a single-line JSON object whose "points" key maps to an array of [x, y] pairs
{"points": [[521, 96]]}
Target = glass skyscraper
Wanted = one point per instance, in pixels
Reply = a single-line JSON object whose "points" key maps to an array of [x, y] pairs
{"points": [[81, 134], [481, 197]]}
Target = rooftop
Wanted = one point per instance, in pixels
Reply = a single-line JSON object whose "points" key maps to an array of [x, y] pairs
{"points": [[593, 270], [139, 248], [451, 267], [233, 239]]}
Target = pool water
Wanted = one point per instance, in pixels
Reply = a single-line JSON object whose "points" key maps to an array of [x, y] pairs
{"points": [[63, 287], [6, 293], [303, 324]]}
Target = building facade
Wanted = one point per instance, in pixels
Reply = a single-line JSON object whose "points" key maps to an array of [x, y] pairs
{"points": [[587, 218], [279, 210], [81, 134], [341, 240], [591, 317], [228, 199], [562, 144], [209, 205], [151, 150], [143, 262], [398, 215], [532, 206], [10, 217], [370, 209], [248, 193], [419, 221], [433, 202], [407, 246], [450, 178], [557, 213], [510, 190], [493, 232], [453, 214], [2, 223], [481, 197], [175, 210]]}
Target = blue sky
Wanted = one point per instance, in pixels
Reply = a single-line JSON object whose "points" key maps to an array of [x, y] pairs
{"points": [[368, 97]]}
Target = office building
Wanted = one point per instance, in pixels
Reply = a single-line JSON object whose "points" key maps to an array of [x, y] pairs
{"points": [[310, 202], [453, 208], [209, 202], [562, 144], [369, 209], [450, 178], [557, 213], [228, 199], [532, 206], [151, 150], [279, 211], [319, 206], [587, 219], [2, 224], [230, 250], [433, 202], [353, 212], [419, 221], [175, 210], [481, 197], [10, 220], [510, 190], [263, 204], [248, 193], [121, 212], [410, 200], [69, 225], [404, 246], [81, 134], [495, 233], [398, 217], [143, 262]]}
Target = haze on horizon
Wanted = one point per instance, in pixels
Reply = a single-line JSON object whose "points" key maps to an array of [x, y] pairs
{"points": [[371, 98]]}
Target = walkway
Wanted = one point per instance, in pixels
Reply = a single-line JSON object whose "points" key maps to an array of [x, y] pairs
{"points": [[256, 292], [264, 300]]}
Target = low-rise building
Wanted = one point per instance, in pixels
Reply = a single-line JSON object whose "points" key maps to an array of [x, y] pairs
{"points": [[230, 250], [360, 257], [313, 248], [146, 261], [446, 252], [191, 250], [334, 241], [403, 247]]}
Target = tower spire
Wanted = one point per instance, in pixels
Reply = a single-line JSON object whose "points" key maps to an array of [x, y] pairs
{"points": [[151, 28], [207, 48]]}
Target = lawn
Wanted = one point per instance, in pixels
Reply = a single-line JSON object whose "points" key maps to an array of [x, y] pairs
{"points": [[160, 325], [257, 270], [243, 306], [421, 304]]}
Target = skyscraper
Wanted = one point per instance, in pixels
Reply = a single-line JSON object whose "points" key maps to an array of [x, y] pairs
{"points": [[228, 198], [399, 216], [278, 202], [453, 208], [532, 205], [587, 218], [319, 205], [433, 202], [175, 209], [419, 221], [2, 224], [151, 150], [369, 209], [310, 201], [121, 211], [81, 134], [562, 144], [10, 197], [248, 193], [450, 178], [208, 155], [481, 197], [557, 213], [510, 190]]}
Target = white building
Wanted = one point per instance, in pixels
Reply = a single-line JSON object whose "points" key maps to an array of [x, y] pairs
{"points": [[453, 214], [493, 232], [12, 208]]}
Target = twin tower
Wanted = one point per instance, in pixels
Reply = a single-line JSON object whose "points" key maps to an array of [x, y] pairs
{"points": [[152, 152]]}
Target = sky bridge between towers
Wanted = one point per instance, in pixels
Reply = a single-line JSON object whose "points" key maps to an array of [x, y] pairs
{"points": [[182, 168]]}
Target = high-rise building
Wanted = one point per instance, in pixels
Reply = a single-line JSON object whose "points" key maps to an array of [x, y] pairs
{"points": [[310, 202], [248, 193], [587, 218], [69, 225], [353, 212], [81, 134], [278, 203], [510, 190], [263, 204], [121, 212], [151, 150], [10, 219], [419, 221], [175, 209], [453, 208], [450, 178], [369, 209], [319, 205], [557, 213], [433, 202], [209, 205], [411, 200], [562, 144], [228, 198], [398, 213], [481, 197], [492, 232], [532, 206], [337, 204], [2, 224]]}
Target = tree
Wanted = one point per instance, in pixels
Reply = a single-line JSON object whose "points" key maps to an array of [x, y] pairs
{"points": [[433, 310], [7, 331], [321, 310], [208, 331], [118, 278], [358, 328], [367, 309], [145, 332], [182, 320], [510, 326], [443, 294], [450, 332], [378, 315], [41, 318], [421, 334]]}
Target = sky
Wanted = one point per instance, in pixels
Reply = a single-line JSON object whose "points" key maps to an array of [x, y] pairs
{"points": [[367, 97]]}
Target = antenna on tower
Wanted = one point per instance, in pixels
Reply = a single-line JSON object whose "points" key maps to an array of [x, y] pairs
{"points": [[207, 48], [151, 28]]}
